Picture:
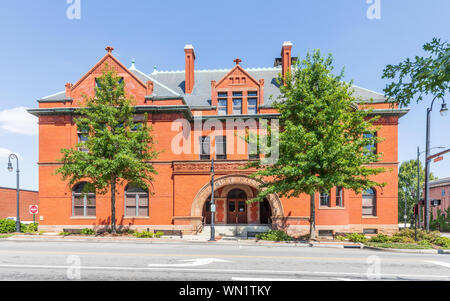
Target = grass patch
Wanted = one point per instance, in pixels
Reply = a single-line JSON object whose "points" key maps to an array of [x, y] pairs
{"points": [[6, 235], [393, 245]]}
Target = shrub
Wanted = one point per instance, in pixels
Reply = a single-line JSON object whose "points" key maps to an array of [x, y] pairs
{"points": [[87, 231], [356, 237], [7, 226], [143, 234], [64, 233], [380, 238], [29, 228], [274, 235], [402, 239], [340, 237], [442, 242], [159, 234], [425, 243]]}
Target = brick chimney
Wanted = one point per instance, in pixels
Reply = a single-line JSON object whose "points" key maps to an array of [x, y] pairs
{"points": [[69, 90], [189, 73], [286, 58]]}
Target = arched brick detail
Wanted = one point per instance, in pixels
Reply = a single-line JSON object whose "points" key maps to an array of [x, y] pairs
{"points": [[233, 180]]}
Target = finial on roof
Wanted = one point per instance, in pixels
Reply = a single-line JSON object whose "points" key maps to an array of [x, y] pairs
{"points": [[133, 62], [237, 61], [109, 49], [155, 69]]}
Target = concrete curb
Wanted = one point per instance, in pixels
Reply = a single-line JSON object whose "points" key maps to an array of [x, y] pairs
{"points": [[46, 238], [410, 251]]}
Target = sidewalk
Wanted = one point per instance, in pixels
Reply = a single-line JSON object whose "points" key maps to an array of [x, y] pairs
{"points": [[187, 239]]}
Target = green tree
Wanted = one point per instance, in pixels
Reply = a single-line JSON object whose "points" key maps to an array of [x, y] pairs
{"points": [[325, 140], [421, 76], [407, 187], [117, 149]]}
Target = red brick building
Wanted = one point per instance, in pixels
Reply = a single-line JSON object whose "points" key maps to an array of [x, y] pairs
{"points": [[181, 190], [8, 203], [440, 190]]}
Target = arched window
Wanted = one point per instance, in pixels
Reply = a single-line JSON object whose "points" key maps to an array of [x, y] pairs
{"points": [[83, 200], [369, 202], [237, 194], [136, 201]]}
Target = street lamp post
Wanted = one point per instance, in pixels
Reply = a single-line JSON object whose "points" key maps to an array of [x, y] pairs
{"points": [[10, 169], [213, 205], [443, 111]]}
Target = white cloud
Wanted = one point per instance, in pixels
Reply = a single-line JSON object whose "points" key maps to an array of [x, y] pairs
{"points": [[18, 121], [4, 153]]}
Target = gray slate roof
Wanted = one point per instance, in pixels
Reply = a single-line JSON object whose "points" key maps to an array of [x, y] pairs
{"points": [[440, 182], [171, 84]]}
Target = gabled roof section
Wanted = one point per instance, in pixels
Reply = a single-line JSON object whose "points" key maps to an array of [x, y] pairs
{"points": [[233, 70], [109, 56]]}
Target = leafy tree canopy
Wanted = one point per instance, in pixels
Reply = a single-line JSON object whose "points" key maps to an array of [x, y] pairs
{"points": [[420, 76]]}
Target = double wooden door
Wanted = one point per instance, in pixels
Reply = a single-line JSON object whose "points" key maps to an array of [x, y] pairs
{"points": [[237, 211]]}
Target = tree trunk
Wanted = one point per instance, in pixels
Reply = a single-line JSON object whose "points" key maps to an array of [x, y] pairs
{"points": [[113, 206], [312, 220]]}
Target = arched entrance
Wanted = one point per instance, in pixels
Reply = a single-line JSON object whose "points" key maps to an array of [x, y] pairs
{"points": [[231, 193]]}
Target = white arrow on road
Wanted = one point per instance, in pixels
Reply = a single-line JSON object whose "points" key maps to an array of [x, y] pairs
{"points": [[190, 263]]}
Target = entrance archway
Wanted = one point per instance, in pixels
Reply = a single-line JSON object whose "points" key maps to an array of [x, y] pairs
{"points": [[228, 183]]}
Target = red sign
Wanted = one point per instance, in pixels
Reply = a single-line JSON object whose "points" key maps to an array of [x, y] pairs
{"points": [[34, 209], [439, 159]]}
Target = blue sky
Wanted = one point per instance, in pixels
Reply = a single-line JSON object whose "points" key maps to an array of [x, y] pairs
{"points": [[42, 49]]}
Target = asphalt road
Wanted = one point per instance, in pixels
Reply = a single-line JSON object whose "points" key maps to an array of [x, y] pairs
{"points": [[36, 261]]}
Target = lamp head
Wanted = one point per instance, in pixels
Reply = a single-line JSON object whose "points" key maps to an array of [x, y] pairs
{"points": [[10, 167], [444, 110]]}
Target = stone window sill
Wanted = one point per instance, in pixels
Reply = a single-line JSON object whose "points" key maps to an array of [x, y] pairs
{"points": [[136, 217], [370, 217], [331, 208]]}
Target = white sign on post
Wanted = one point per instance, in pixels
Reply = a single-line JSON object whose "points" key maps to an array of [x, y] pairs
{"points": [[34, 209]]}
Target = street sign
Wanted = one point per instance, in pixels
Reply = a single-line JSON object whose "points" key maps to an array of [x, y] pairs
{"points": [[34, 209]]}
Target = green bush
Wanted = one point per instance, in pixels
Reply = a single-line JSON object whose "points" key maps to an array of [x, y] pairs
{"points": [[425, 243], [340, 237], [7, 226], [64, 233], [30, 228], [274, 235], [356, 237], [381, 238], [402, 239], [143, 234], [159, 234], [442, 242], [87, 231]]}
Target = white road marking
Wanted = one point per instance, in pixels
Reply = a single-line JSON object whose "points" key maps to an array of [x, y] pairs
{"points": [[253, 272], [347, 279], [190, 263], [444, 264]]}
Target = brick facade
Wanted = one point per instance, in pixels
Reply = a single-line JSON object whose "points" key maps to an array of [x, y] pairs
{"points": [[182, 185], [8, 203]]}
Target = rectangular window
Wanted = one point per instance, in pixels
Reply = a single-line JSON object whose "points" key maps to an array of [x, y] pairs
{"points": [[368, 205], [251, 105], [205, 148], [339, 198], [372, 147], [443, 192], [370, 231], [84, 205], [221, 147], [324, 199], [222, 106], [82, 138], [136, 204], [237, 103]]}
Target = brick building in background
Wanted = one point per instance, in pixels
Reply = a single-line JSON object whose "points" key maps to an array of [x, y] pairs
{"points": [[8, 203], [440, 190], [181, 190]]}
